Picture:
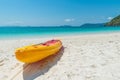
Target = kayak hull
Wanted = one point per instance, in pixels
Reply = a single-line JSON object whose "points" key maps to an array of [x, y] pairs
{"points": [[34, 53]]}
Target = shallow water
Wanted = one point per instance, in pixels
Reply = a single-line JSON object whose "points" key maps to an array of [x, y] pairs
{"points": [[27, 32]]}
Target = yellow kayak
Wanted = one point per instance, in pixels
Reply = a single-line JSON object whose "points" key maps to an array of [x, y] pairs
{"points": [[34, 53]]}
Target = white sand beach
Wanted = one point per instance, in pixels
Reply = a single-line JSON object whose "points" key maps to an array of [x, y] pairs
{"points": [[84, 57]]}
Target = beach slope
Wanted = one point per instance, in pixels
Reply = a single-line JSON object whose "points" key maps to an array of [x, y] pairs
{"points": [[83, 57]]}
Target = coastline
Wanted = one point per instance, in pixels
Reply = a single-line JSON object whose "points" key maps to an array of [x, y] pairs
{"points": [[43, 32], [85, 57], [60, 35]]}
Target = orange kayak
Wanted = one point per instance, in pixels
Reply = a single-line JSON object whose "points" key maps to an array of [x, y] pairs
{"points": [[34, 53]]}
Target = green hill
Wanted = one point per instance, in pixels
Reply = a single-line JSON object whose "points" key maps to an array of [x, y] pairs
{"points": [[114, 22]]}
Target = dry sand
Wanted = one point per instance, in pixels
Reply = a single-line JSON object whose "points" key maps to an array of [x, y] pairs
{"points": [[84, 57]]}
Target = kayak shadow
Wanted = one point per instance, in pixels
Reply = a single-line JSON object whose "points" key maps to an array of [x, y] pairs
{"points": [[34, 70]]}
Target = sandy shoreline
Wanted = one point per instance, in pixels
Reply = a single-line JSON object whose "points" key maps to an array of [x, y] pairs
{"points": [[85, 57]]}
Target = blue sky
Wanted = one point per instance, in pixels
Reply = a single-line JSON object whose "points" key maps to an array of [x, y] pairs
{"points": [[57, 12]]}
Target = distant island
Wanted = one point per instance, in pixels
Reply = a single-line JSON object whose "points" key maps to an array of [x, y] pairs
{"points": [[65, 26], [114, 22], [93, 25], [86, 25]]}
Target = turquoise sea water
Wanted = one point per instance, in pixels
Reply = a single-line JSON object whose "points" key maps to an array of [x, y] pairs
{"points": [[26, 32]]}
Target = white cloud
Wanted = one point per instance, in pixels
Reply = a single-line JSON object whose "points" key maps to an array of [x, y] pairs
{"points": [[69, 20], [109, 18]]}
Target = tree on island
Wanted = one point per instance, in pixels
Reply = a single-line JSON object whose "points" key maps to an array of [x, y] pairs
{"points": [[114, 22]]}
